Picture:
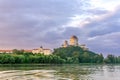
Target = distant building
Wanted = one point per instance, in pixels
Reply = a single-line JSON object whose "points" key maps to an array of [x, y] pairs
{"points": [[5, 51], [27, 50], [83, 46], [34, 51], [65, 44], [74, 42], [11, 51], [42, 51]]}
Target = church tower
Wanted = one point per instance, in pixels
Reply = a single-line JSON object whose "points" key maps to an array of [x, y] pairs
{"points": [[65, 44], [74, 41]]}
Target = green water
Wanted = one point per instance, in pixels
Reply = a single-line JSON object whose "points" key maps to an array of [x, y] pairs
{"points": [[60, 72]]}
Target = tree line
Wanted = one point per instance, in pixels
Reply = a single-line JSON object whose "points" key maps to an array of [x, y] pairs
{"points": [[112, 59], [27, 58], [66, 55]]}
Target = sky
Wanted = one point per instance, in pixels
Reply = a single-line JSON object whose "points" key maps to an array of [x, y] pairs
{"points": [[28, 24]]}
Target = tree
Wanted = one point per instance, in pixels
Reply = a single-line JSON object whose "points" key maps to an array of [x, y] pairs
{"points": [[110, 59], [15, 51], [76, 54], [19, 58], [99, 58], [86, 58], [6, 58]]}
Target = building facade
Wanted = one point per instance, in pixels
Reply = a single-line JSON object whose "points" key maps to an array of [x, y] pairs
{"points": [[65, 44], [74, 41], [41, 50], [5, 51]]}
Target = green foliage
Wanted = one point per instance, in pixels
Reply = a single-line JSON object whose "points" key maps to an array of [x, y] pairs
{"points": [[110, 59], [15, 58], [75, 54], [68, 51], [6, 58], [18, 51], [69, 55], [19, 58]]}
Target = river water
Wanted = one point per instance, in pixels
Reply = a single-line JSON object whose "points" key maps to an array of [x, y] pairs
{"points": [[60, 72]]}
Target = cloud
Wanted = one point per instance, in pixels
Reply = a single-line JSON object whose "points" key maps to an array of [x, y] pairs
{"points": [[108, 24], [103, 35], [30, 24], [108, 43]]}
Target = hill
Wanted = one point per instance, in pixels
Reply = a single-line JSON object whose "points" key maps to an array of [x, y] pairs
{"points": [[76, 54]]}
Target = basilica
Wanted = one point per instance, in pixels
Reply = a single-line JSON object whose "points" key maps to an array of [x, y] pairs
{"points": [[74, 42]]}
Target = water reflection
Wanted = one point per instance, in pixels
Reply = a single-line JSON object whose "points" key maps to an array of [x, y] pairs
{"points": [[59, 72]]}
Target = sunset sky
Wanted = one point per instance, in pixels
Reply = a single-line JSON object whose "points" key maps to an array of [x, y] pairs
{"points": [[29, 24]]}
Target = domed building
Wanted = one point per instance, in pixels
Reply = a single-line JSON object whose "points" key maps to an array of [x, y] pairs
{"points": [[74, 41]]}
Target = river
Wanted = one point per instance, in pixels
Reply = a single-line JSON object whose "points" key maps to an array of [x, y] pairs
{"points": [[60, 72]]}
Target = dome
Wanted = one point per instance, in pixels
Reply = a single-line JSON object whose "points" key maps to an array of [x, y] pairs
{"points": [[73, 40], [73, 37]]}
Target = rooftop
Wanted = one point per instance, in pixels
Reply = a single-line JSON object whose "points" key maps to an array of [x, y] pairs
{"points": [[73, 37]]}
